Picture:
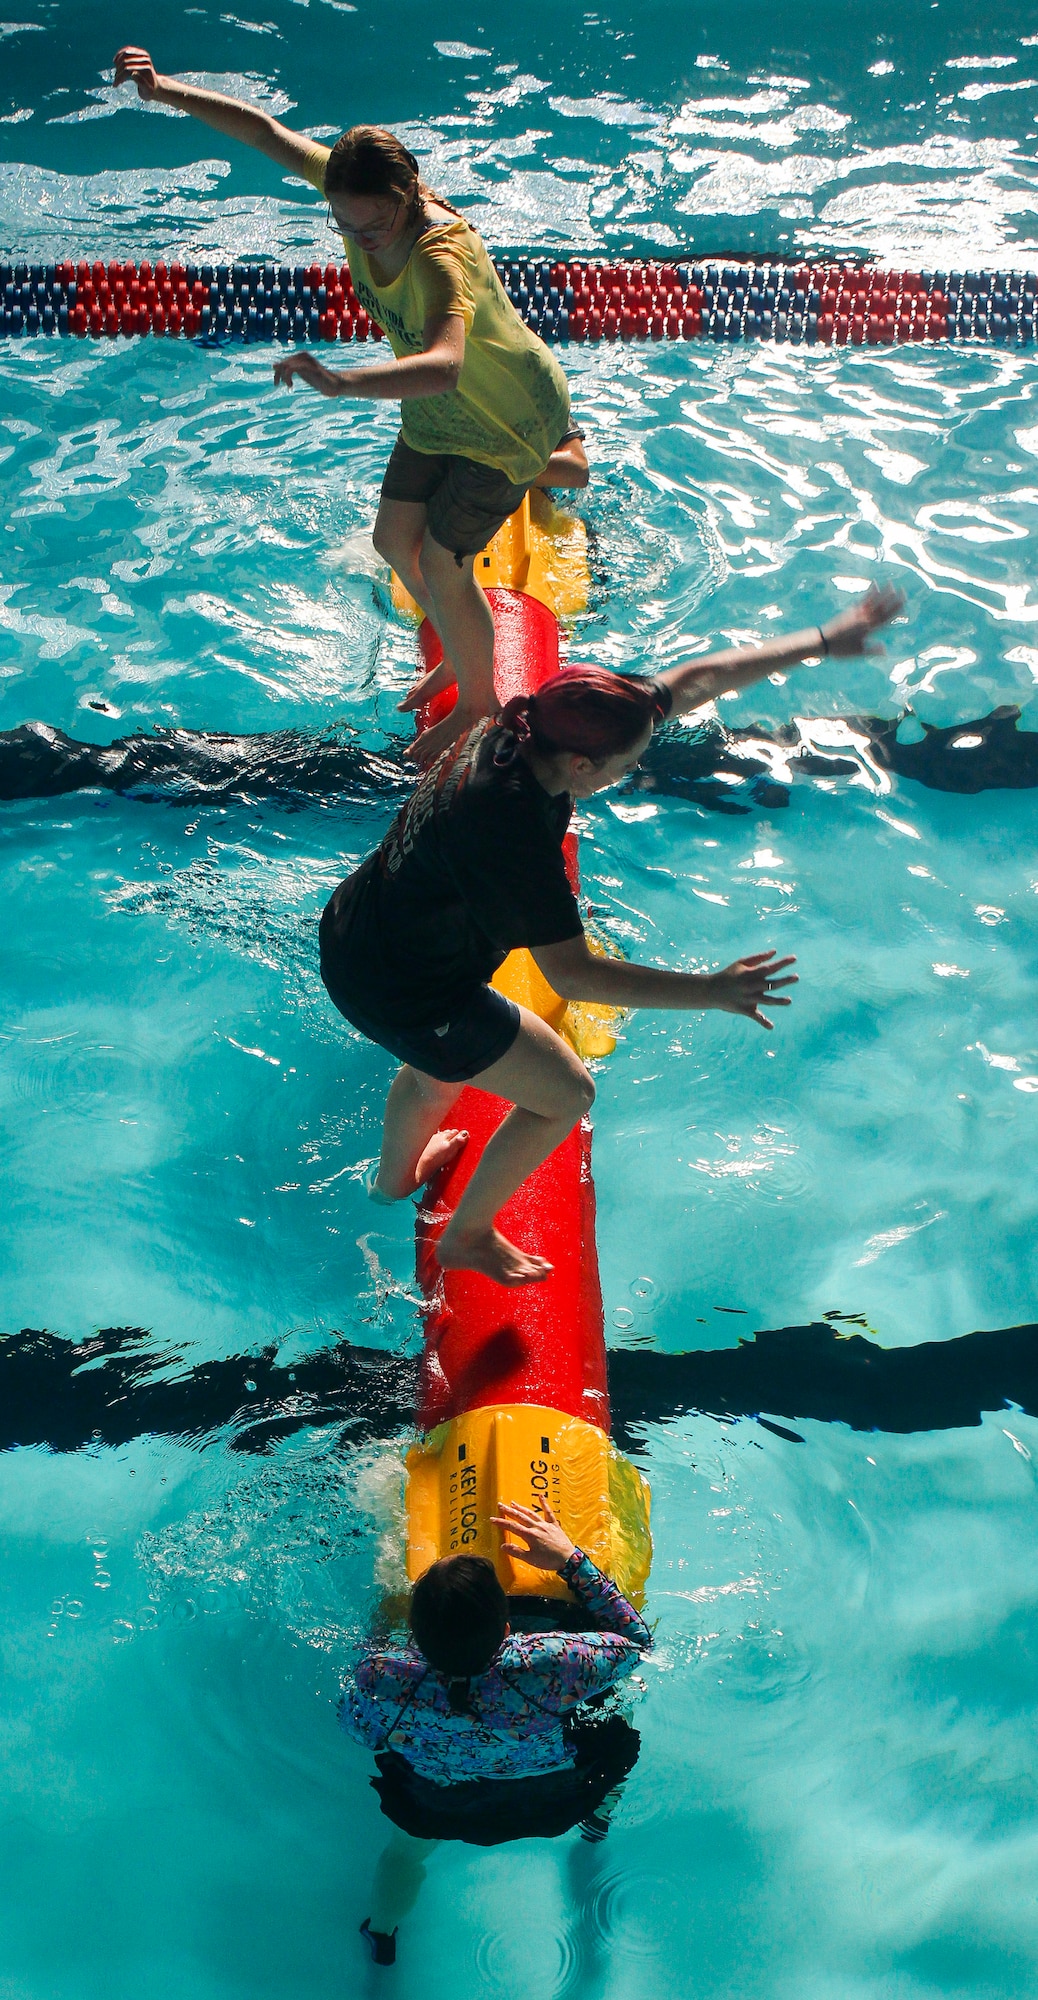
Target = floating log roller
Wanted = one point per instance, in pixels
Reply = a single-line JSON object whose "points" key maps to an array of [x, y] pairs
{"points": [[512, 1398]]}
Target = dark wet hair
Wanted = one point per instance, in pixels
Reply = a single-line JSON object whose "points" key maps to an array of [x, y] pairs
{"points": [[585, 710], [368, 160], [458, 1617]]}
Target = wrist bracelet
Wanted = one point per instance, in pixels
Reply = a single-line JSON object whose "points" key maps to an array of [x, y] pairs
{"points": [[825, 643]]}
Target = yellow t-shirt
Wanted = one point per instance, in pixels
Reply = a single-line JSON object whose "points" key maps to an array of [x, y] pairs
{"points": [[511, 406]]}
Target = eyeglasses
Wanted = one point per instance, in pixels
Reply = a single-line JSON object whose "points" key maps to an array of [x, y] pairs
{"points": [[339, 228]]}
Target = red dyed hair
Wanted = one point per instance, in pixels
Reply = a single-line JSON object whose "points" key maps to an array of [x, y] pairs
{"points": [[585, 710]]}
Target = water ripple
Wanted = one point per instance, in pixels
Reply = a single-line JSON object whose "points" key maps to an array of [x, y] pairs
{"points": [[502, 1960], [625, 1910]]}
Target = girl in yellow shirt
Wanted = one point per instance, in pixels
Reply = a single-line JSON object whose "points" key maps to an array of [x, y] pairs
{"points": [[485, 407]]}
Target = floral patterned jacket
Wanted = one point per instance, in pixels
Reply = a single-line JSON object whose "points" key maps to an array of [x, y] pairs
{"points": [[397, 1701]]}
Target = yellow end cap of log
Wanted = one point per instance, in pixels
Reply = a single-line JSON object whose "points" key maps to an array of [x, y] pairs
{"points": [[458, 1477]]}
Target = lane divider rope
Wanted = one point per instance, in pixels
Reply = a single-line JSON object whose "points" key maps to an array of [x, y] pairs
{"points": [[810, 303]]}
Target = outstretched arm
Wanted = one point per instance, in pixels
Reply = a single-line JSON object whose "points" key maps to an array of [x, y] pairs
{"points": [[846, 636], [431, 373], [742, 988], [225, 114]]}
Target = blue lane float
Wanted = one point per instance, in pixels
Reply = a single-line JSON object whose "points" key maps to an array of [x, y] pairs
{"points": [[820, 303]]}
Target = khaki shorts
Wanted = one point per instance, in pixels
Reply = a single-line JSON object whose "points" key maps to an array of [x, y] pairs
{"points": [[465, 502]]}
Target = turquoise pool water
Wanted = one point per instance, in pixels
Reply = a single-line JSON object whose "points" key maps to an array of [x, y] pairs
{"points": [[835, 1798]]}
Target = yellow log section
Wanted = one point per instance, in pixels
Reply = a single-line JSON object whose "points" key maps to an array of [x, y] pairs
{"points": [[587, 1025], [458, 1476], [539, 550]]}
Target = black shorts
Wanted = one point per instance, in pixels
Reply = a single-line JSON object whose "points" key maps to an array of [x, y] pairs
{"points": [[478, 1034], [465, 502], [488, 1811]]}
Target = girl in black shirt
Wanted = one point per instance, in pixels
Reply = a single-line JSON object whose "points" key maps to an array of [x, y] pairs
{"points": [[473, 868]]}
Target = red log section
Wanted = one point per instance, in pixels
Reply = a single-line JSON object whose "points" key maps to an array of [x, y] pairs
{"points": [[538, 1344]]}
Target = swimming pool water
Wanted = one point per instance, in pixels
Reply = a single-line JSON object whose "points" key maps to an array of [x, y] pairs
{"points": [[834, 1798]]}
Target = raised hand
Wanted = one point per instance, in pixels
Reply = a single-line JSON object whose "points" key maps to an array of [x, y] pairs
{"points": [[136, 66], [847, 635], [547, 1545], [742, 988], [311, 371]]}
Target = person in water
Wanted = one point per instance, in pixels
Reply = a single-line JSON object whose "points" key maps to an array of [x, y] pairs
{"points": [[473, 868], [478, 1730], [484, 404]]}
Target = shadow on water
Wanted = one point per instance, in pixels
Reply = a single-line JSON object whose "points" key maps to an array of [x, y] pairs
{"points": [[193, 766], [725, 770], [991, 754], [114, 1387]]}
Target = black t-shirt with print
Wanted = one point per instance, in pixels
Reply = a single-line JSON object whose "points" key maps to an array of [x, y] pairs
{"points": [[470, 869]]}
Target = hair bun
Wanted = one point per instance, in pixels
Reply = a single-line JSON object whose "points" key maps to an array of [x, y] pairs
{"points": [[515, 719]]}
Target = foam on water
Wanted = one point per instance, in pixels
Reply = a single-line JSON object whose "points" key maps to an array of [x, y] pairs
{"points": [[833, 1799]]}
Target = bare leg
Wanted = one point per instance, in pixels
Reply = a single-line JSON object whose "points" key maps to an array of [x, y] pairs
{"points": [[430, 685], [550, 1090], [567, 466], [465, 623], [398, 535], [413, 1145], [399, 1874]]}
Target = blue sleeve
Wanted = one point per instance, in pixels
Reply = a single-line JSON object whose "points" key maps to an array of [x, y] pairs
{"points": [[374, 1696], [559, 1670], [608, 1606], [566, 1668], [360, 1717]]}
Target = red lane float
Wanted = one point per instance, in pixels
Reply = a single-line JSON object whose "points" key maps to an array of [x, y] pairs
{"points": [[816, 301]]}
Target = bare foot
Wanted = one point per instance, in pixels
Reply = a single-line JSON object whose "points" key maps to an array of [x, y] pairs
{"points": [[488, 1251], [443, 1147], [431, 684], [429, 742]]}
